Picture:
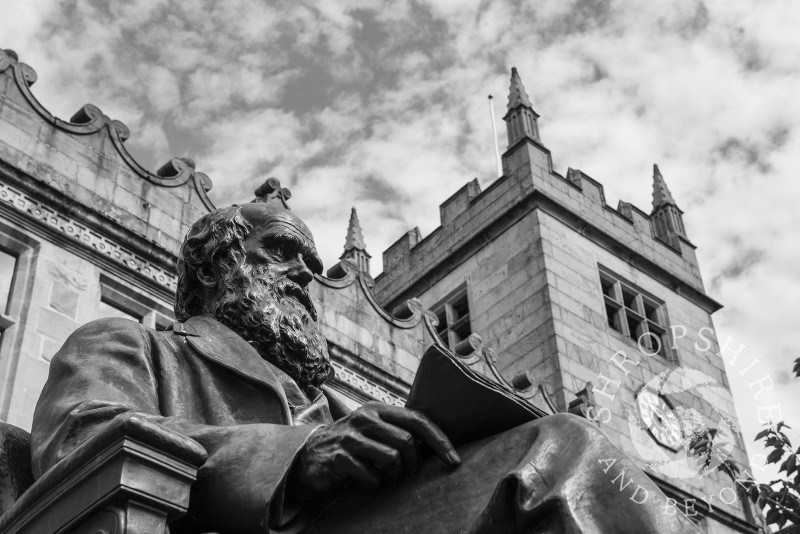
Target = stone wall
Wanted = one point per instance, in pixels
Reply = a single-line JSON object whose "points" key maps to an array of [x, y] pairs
{"points": [[54, 293], [509, 301], [585, 346]]}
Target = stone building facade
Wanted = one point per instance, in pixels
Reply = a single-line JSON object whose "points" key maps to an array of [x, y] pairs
{"points": [[535, 282]]}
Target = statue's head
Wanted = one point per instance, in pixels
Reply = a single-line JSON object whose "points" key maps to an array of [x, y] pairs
{"points": [[249, 267]]}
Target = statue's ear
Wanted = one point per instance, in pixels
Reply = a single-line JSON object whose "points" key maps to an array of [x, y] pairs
{"points": [[205, 275]]}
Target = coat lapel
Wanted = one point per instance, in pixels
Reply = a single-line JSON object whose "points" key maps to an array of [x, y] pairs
{"points": [[218, 343]]}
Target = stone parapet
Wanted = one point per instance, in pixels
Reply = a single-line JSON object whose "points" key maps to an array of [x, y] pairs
{"points": [[84, 160], [471, 217]]}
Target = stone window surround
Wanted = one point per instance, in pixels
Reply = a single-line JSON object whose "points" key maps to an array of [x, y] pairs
{"points": [[628, 305], [12, 319], [122, 297], [453, 313]]}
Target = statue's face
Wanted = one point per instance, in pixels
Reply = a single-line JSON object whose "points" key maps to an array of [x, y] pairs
{"points": [[281, 244], [266, 300]]}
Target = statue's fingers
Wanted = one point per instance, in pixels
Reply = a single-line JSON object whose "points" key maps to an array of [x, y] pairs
{"points": [[424, 429], [352, 468], [384, 457], [395, 437], [404, 443]]}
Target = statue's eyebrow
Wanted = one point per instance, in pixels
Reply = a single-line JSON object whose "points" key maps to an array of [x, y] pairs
{"points": [[309, 252]]}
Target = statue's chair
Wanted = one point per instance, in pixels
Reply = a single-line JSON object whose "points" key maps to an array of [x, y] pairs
{"points": [[133, 477]]}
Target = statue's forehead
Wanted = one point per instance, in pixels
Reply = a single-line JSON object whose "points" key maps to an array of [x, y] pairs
{"points": [[275, 220], [281, 222], [268, 221]]}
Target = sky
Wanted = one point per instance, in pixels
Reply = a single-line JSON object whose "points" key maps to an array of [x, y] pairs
{"points": [[383, 106]]}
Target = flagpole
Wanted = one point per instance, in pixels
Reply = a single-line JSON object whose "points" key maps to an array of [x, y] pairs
{"points": [[496, 144]]}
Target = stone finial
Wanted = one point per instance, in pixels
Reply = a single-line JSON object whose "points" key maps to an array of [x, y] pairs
{"points": [[271, 192], [521, 119], [355, 238], [517, 96], [666, 215], [355, 249], [661, 194]]}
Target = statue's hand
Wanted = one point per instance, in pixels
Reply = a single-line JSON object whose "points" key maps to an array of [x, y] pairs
{"points": [[376, 444]]}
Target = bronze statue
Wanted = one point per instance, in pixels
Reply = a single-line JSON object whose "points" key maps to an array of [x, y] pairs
{"points": [[242, 372]]}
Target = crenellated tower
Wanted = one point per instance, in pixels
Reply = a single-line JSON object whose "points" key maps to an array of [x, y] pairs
{"points": [[562, 287]]}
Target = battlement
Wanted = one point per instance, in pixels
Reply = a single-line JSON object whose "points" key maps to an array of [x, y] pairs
{"points": [[471, 218], [84, 161]]}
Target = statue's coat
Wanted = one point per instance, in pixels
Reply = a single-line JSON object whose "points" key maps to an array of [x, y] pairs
{"points": [[201, 380]]}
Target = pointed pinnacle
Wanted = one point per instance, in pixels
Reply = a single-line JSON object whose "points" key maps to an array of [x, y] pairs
{"points": [[661, 194], [516, 94], [354, 239]]}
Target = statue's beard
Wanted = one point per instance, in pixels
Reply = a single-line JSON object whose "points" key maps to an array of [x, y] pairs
{"points": [[279, 319]]}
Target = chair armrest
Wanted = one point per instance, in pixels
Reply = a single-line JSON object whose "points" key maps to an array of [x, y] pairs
{"points": [[133, 476]]}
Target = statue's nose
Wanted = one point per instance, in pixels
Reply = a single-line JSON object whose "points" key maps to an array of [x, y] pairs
{"points": [[300, 273]]}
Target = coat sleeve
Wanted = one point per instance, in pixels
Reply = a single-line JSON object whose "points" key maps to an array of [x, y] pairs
{"points": [[106, 369]]}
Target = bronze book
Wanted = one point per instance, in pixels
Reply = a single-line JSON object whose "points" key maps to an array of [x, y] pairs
{"points": [[466, 405]]}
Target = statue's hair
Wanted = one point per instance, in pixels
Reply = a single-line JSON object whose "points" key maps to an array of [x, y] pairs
{"points": [[215, 246]]}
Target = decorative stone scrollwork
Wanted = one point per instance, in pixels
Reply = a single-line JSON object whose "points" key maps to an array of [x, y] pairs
{"points": [[366, 386], [271, 192], [79, 232]]}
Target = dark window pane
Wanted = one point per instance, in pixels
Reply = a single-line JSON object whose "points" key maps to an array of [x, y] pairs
{"points": [[633, 327], [460, 308], [8, 264], [462, 331], [453, 315], [629, 298], [611, 314], [651, 310], [608, 287]]}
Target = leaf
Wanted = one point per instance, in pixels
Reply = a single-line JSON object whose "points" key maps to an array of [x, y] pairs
{"points": [[772, 516], [775, 456], [791, 464], [784, 467], [761, 435]]}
